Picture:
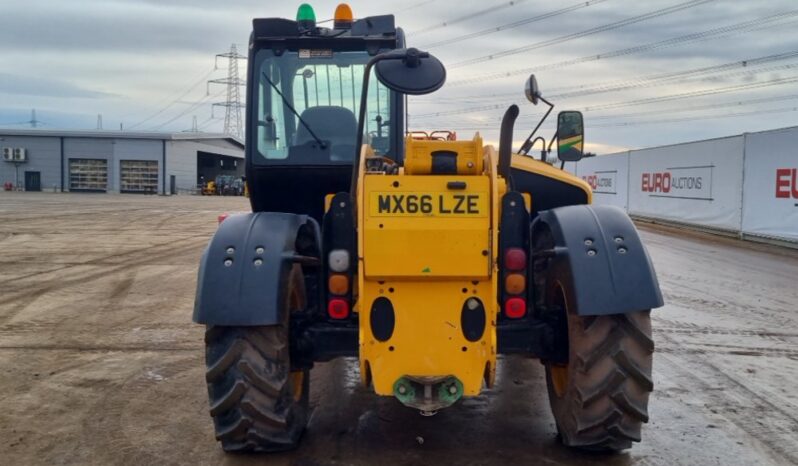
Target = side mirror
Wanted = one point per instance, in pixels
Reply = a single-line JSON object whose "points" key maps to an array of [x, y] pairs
{"points": [[410, 71], [570, 136], [532, 90], [406, 71]]}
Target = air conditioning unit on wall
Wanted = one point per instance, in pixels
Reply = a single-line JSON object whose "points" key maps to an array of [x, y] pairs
{"points": [[20, 154], [8, 154]]}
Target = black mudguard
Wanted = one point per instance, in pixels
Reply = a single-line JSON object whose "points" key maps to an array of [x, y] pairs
{"points": [[242, 293], [617, 277]]}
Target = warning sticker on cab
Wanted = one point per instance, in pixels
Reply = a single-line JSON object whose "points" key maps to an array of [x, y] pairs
{"points": [[428, 204], [315, 53]]}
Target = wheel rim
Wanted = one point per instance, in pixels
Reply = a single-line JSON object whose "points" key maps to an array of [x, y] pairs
{"points": [[295, 304], [559, 372], [559, 379], [297, 384]]}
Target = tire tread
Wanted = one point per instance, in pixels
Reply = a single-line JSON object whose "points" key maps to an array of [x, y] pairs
{"points": [[612, 376], [249, 389]]}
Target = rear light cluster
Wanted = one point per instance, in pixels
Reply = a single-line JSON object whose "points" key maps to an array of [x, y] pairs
{"points": [[515, 269], [338, 284], [338, 308]]}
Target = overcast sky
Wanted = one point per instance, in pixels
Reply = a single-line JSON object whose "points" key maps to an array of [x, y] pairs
{"points": [[650, 72]]}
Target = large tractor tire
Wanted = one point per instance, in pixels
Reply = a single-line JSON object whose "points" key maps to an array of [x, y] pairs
{"points": [[257, 402], [599, 398]]}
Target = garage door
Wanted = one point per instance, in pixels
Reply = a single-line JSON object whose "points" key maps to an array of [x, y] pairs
{"points": [[138, 176], [88, 175]]}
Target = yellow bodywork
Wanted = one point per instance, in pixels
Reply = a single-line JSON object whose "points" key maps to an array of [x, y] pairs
{"points": [[428, 257], [428, 261], [528, 164]]}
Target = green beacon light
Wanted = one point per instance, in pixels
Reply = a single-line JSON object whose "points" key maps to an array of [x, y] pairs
{"points": [[306, 17]]}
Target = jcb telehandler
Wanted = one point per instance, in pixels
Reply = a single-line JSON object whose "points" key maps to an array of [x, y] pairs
{"points": [[423, 258]]}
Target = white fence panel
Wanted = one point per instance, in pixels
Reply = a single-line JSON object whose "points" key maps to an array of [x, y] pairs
{"points": [[570, 167], [608, 177], [770, 205], [697, 183]]}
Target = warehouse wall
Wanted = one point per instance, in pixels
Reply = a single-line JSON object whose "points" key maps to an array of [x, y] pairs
{"points": [[44, 156], [181, 159], [745, 184]]}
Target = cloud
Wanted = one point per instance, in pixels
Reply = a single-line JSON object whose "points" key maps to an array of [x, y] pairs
{"points": [[128, 59], [45, 87]]}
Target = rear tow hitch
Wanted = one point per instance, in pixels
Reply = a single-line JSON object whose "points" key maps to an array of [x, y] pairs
{"points": [[428, 394]]}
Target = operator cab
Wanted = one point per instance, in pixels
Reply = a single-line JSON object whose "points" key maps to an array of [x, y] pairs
{"points": [[303, 98]]}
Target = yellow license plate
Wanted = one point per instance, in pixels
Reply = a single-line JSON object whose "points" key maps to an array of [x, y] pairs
{"points": [[428, 204]]}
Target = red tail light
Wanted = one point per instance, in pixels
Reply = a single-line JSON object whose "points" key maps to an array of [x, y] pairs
{"points": [[338, 308], [222, 217], [515, 308], [515, 259]]}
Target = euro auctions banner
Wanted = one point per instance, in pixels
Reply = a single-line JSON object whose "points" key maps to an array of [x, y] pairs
{"points": [[698, 183], [608, 176], [770, 203]]}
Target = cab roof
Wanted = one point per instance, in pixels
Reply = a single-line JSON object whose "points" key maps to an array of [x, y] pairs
{"points": [[370, 32]]}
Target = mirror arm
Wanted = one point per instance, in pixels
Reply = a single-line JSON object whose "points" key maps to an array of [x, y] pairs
{"points": [[527, 145], [547, 150], [526, 149], [413, 57], [361, 123], [551, 141]]}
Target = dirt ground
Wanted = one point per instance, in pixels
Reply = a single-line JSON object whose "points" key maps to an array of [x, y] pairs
{"points": [[100, 363]]}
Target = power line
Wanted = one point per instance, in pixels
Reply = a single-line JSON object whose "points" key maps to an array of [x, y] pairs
{"points": [[189, 109], [512, 25], [680, 77], [177, 99], [687, 95], [714, 33], [588, 32], [233, 125], [33, 122], [634, 117], [706, 117], [736, 103], [207, 123], [460, 19], [702, 93], [658, 121], [663, 78], [415, 5]]}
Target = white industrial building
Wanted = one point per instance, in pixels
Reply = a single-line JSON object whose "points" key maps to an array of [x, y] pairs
{"points": [[115, 161]]}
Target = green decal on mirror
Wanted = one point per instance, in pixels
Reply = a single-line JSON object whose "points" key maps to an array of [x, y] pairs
{"points": [[570, 136]]}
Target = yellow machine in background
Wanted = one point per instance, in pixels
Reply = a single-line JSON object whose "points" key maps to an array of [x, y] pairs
{"points": [[209, 189]]}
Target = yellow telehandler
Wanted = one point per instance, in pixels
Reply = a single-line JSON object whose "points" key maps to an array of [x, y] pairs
{"points": [[424, 258]]}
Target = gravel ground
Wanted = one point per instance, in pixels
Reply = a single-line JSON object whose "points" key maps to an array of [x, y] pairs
{"points": [[100, 363]]}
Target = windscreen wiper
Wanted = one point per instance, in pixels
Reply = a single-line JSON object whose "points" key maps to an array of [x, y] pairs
{"points": [[322, 144]]}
